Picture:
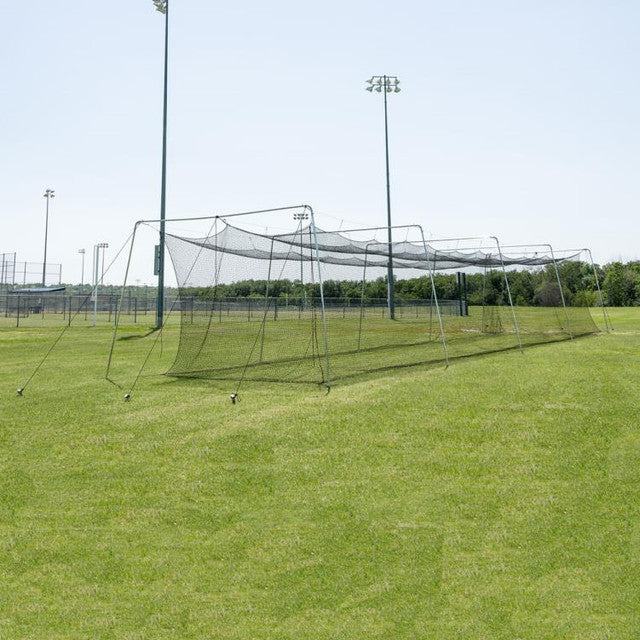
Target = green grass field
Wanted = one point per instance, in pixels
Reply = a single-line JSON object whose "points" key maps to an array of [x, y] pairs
{"points": [[498, 498]]}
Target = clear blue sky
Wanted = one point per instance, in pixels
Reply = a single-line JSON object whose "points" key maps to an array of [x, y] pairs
{"points": [[516, 118]]}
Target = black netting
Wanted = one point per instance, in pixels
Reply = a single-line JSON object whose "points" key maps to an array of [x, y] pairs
{"points": [[312, 306]]}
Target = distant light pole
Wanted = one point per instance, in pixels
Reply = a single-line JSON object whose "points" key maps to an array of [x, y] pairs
{"points": [[82, 253], [96, 281], [48, 194], [163, 7], [387, 84], [103, 246], [301, 217]]}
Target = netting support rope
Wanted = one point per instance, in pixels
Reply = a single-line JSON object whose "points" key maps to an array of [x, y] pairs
{"points": [[160, 331], [94, 291]]}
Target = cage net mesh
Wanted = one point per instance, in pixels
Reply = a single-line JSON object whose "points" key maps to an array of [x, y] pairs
{"points": [[311, 305]]}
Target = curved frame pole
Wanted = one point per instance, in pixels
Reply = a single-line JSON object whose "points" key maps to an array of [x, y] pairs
{"points": [[364, 281], [226, 215], [564, 304], [266, 303], [607, 322], [320, 281], [506, 280], [116, 321], [434, 294]]}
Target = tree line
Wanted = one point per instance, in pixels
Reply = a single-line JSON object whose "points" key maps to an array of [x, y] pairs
{"points": [[619, 283]]}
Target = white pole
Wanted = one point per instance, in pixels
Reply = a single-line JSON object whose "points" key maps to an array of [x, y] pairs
{"points": [[96, 251]]}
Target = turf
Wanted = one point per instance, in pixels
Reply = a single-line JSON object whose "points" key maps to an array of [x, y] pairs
{"points": [[499, 498]]}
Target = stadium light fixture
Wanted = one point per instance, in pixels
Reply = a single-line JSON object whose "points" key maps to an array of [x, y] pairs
{"points": [[387, 84], [163, 7], [48, 194]]}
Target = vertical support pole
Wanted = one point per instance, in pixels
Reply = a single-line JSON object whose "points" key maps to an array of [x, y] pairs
{"points": [[300, 306], [484, 298], [96, 250], [390, 292], [47, 195], [163, 192], [459, 282], [466, 297], [506, 280]]}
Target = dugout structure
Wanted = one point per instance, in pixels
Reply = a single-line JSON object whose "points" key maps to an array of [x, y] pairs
{"points": [[264, 303]]}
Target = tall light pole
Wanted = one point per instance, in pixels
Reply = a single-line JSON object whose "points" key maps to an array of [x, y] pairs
{"points": [[82, 253], [387, 84], [48, 194], [163, 7]]}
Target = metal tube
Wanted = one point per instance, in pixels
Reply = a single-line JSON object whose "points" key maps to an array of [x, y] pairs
{"points": [[434, 295], [506, 280], [390, 287], [163, 191], [605, 315], [47, 195], [564, 306], [116, 320], [96, 253], [266, 304], [324, 318]]}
